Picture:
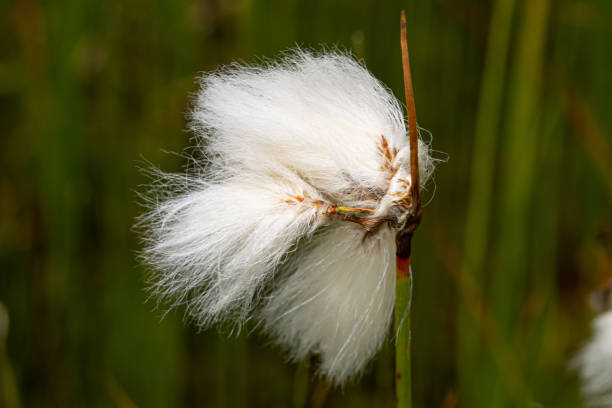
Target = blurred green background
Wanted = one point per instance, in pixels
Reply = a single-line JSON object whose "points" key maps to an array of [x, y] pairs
{"points": [[516, 235]]}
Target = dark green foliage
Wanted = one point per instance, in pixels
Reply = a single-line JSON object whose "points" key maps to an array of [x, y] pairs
{"points": [[515, 238]]}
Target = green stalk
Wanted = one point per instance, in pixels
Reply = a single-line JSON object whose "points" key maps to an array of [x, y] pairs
{"points": [[403, 294], [403, 283]]}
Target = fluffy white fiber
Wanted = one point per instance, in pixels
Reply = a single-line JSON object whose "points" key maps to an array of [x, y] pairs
{"points": [[594, 362], [338, 300], [261, 229]]}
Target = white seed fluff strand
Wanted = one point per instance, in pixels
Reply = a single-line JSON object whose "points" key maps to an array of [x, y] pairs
{"points": [[338, 301]]}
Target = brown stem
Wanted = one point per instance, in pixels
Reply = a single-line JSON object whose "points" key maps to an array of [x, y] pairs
{"points": [[412, 122], [318, 387], [404, 236]]}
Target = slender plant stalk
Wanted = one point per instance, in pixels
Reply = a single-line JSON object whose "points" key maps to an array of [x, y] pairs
{"points": [[403, 377], [473, 368], [518, 183], [403, 288], [412, 123], [301, 383], [319, 388]]}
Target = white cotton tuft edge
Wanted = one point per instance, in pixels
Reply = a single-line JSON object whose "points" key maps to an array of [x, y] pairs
{"points": [[242, 237], [214, 247], [321, 115], [594, 363], [338, 300]]}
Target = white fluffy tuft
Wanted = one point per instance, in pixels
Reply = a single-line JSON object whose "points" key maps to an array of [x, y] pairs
{"points": [[594, 362], [288, 146], [215, 246], [337, 301], [321, 116]]}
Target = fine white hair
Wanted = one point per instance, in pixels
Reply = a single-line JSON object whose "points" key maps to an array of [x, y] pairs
{"points": [[337, 301], [289, 217], [594, 363]]}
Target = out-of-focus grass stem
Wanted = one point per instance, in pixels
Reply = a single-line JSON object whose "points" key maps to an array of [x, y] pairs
{"points": [[517, 181], [469, 371]]}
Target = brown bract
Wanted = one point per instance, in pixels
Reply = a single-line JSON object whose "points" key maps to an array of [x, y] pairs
{"points": [[404, 236]]}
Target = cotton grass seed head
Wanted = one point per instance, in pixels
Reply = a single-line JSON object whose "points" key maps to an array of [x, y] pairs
{"points": [[291, 218]]}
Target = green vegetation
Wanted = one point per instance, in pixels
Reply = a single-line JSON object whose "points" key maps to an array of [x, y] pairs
{"points": [[515, 237]]}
